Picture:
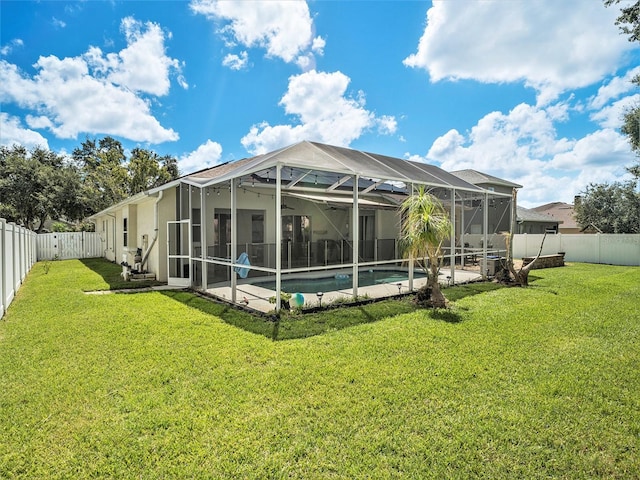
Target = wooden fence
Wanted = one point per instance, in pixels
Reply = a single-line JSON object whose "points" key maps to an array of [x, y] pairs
{"points": [[18, 253], [612, 249]]}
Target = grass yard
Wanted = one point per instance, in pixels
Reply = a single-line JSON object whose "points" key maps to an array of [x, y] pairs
{"points": [[542, 382]]}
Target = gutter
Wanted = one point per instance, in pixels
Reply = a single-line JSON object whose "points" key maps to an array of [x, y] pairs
{"points": [[145, 257]]}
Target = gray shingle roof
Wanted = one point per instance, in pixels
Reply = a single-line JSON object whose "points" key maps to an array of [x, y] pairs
{"points": [[528, 215]]}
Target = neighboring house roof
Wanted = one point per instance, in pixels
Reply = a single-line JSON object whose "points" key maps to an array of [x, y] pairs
{"points": [[479, 178], [528, 215], [563, 212]]}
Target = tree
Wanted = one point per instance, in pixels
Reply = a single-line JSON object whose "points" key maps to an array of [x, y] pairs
{"points": [[629, 23], [629, 19], [148, 170], [424, 226], [613, 208], [104, 175], [518, 277], [109, 179], [37, 185]]}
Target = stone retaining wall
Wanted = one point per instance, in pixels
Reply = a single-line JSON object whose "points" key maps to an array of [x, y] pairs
{"points": [[545, 261]]}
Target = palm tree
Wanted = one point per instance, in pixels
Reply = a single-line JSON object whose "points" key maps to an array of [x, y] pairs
{"points": [[424, 226]]}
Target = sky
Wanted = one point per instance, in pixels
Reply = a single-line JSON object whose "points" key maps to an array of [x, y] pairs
{"points": [[531, 91]]}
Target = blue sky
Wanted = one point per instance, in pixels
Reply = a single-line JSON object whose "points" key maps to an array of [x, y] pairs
{"points": [[528, 90]]}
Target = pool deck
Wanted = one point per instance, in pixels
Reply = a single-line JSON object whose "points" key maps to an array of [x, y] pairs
{"points": [[257, 298]]}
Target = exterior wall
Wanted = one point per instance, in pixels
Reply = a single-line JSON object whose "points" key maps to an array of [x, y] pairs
{"points": [[145, 227], [140, 232], [166, 213], [562, 229], [387, 224], [105, 227], [535, 227], [327, 223]]}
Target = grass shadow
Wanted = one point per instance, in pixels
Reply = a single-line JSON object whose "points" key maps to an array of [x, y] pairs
{"points": [[446, 315], [294, 325], [297, 325], [459, 292], [236, 316], [111, 274]]}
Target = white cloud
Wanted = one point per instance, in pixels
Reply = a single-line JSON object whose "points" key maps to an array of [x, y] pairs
{"points": [[143, 65], [283, 28], [611, 116], [12, 132], [96, 93], [549, 45], [236, 62], [511, 144], [318, 45], [602, 150], [9, 47], [206, 155], [326, 114], [615, 88], [387, 124], [523, 146], [58, 23]]}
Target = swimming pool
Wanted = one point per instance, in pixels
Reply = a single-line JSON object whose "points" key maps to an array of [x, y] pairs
{"points": [[339, 281]]}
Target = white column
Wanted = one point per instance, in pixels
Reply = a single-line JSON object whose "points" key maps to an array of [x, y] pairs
{"points": [[462, 231], [453, 236], [278, 234], [485, 227], [234, 239], [411, 262], [203, 236], [355, 235]]}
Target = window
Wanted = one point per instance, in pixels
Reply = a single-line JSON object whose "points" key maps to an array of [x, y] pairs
{"points": [[124, 231], [257, 228], [221, 234]]}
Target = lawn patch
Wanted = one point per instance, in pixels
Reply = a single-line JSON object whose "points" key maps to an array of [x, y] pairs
{"points": [[538, 382]]}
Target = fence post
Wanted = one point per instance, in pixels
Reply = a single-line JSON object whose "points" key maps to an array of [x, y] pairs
{"points": [[16, 260], [3, 296]]}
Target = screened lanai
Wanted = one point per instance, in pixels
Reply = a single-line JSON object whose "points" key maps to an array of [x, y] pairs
{"points": [[250, 229]]}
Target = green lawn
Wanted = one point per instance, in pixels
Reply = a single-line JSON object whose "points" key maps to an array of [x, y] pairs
{"points": [[542, 382]]}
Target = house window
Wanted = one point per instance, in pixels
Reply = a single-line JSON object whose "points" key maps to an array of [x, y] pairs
{"points": [[257, 228], [221, 234], [124, 232]]}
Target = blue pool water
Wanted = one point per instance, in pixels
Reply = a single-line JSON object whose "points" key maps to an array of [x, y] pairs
{"points": [[338, 282]]}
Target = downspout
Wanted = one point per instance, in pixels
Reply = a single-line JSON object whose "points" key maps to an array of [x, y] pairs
{"points": [[113, 229], [145, 257]]}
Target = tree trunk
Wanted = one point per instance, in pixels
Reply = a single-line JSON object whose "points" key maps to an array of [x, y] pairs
{"points": [[521, 277], [438, 300]]}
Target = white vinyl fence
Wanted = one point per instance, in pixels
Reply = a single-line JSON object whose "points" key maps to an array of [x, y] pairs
{"points": [[17, 255], [612, 249], [67, 245]]}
